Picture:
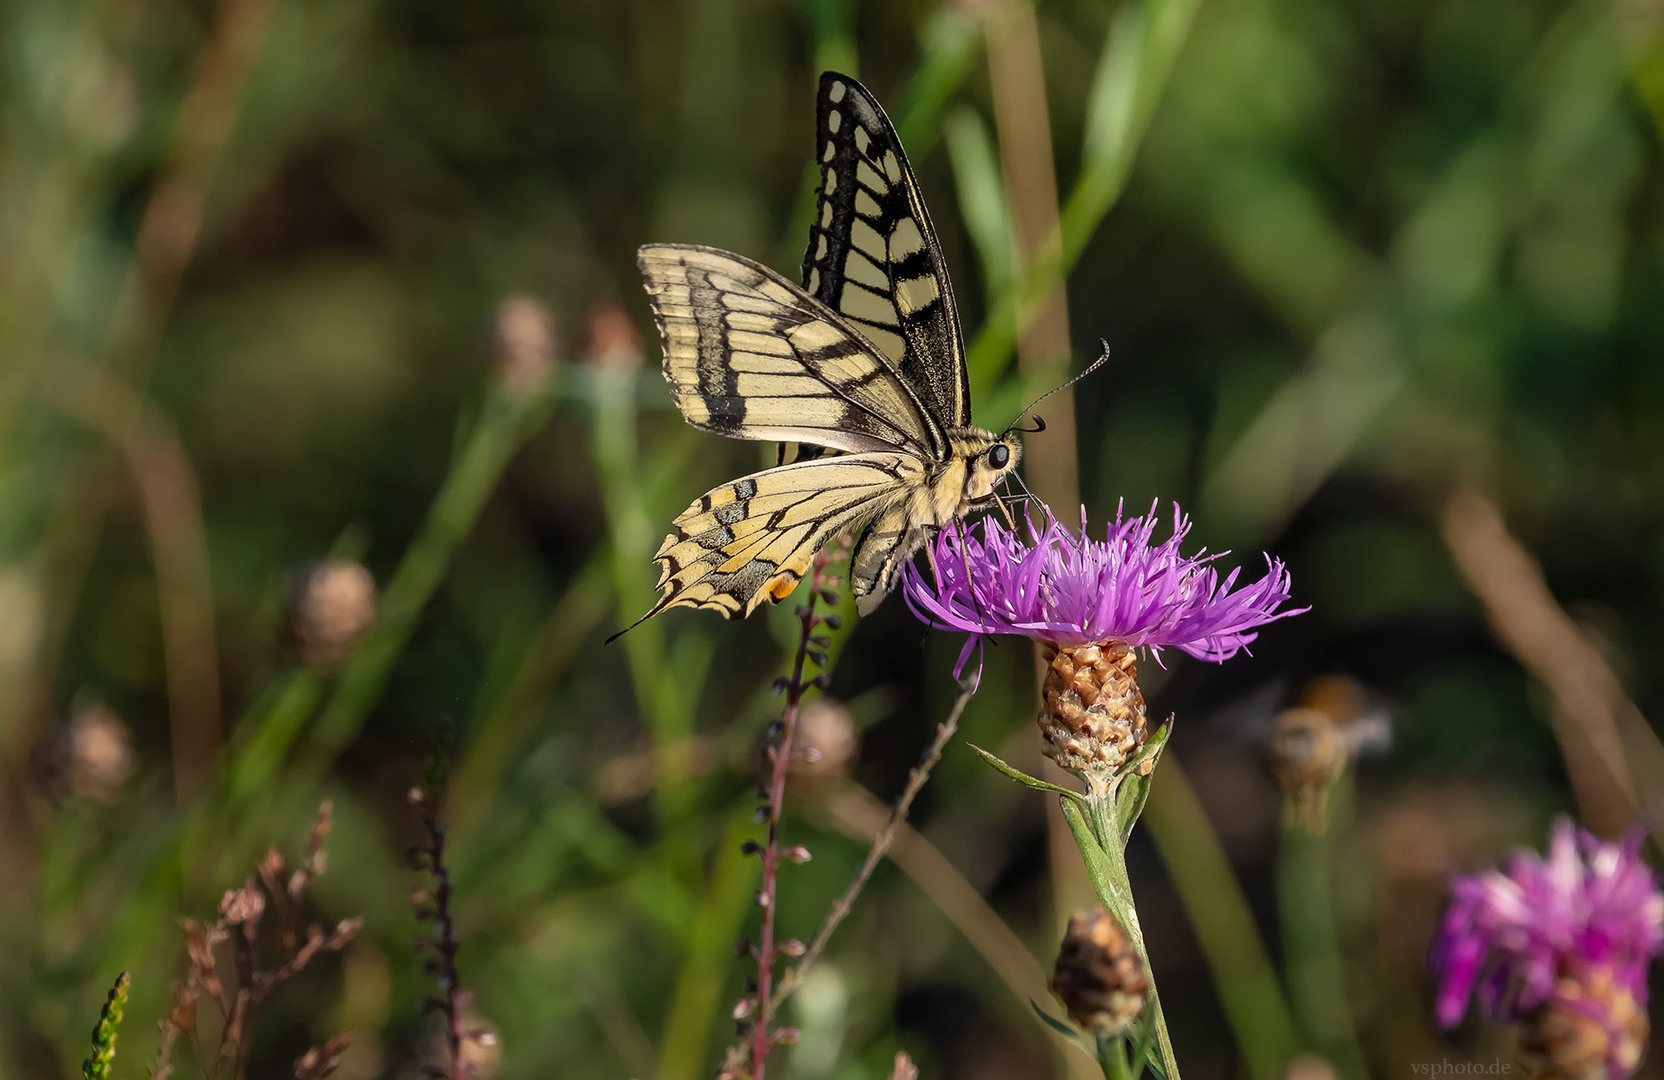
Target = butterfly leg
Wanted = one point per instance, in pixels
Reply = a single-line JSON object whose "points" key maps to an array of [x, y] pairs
{"points": [[930, 557], [1006, 510], [970, 582]]}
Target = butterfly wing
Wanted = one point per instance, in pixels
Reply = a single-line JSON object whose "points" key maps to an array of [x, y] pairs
{"points": [[787, 453], [873, 256], [752, 539], [749, 354]]}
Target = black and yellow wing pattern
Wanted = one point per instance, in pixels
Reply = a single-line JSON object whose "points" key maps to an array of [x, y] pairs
{"points": [[859, 373], [750, 355], [873, 255]]}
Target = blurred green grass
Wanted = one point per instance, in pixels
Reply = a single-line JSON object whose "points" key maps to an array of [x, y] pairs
{"points": [[1363, 252]]}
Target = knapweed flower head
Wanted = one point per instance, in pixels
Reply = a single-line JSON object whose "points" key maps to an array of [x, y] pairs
{"points": [[1063, 588], [1559, 944], [1093, 604]]}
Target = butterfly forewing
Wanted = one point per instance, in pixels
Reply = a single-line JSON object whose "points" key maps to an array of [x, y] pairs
{"points": [[749, 354], [873, 256], [751, 540], [860, 374]]}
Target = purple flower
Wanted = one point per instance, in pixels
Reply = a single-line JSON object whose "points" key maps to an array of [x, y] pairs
{"points": [[1590, 912], [1063, 588]]}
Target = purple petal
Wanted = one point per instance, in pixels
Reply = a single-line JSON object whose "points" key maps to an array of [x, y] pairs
{"points": [[1060, 586]]}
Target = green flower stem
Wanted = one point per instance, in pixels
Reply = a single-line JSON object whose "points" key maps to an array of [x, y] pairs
{"points": [[666, 679], [278, 719], [270, 728], [1311, 943], [1213, 899], [1098, 833], [504, 728], [97, 1067], [1112, 1055]]}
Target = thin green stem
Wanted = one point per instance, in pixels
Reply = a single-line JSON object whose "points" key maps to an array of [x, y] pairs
{"points": [[1112, 1055], [663, 688], [506, 421], [1106, 866], [1106, 831], [1212, 897], [1311, 945]]}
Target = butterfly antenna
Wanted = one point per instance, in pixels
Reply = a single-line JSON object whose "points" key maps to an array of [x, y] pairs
{"points": [[1040, 425]]}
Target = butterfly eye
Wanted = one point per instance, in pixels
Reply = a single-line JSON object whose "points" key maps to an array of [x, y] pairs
{"points": [[998, 455]]}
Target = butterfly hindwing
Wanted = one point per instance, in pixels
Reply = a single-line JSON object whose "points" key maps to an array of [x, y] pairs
{"points": [[751, 540], [750, 355], [873, 256]]}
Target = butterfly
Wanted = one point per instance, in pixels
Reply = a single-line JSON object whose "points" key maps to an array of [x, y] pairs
{"points": [[859, 374]]}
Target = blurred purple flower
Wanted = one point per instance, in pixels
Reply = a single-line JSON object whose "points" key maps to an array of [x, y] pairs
{"points": [[1063, 588], [1553, 932]]}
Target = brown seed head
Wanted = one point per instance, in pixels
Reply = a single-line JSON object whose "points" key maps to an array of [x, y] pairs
{"points": [[614, 343], [904, 1069], [1590, 1028], [1098, 976], [825, 742], [331, 603], [90, 758], [244, 905], [524, 348], [481, 1051], [1092, 712], [1309, 1067], [322, 1061], [1308, 753]]}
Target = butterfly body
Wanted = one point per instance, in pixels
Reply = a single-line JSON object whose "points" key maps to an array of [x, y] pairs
{"points": [[860, 373]]}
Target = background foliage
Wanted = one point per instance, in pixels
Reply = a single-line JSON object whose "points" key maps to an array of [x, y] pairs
{"points": [[251, 258]]}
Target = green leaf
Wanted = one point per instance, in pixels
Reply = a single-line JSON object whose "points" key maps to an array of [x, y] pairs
{"points": [[1024, 778], [1059, 1026], [982, 201], [1132, 790], [1145, 1042], [1149, 752]]}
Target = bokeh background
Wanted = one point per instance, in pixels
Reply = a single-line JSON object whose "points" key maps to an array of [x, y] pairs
{"points": [[288, 280]]}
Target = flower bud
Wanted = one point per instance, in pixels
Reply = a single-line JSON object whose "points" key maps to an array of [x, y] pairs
{"points": [[331, 604], [1098, 976], [1092, 716]]}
